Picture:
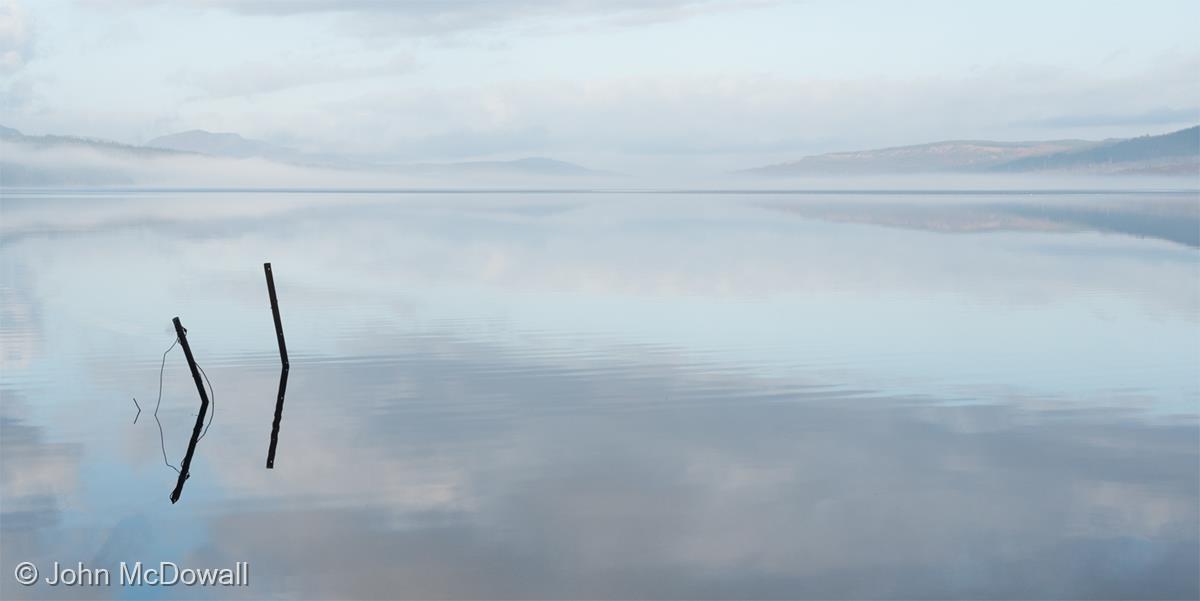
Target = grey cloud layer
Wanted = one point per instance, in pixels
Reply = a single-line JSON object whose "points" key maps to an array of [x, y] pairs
{"points": [[378, 92], [1156, 116], [16, 36], [423, 17], [744, 115]]}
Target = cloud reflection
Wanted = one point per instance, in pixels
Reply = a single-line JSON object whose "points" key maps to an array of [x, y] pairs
{"points": [[485, 472], [452, 433]]}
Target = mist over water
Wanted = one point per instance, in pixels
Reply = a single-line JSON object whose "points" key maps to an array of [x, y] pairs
{"points": [[79, 164], [603, 395]]}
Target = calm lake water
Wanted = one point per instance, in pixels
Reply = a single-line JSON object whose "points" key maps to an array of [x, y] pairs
{"points": [[581, 395]]}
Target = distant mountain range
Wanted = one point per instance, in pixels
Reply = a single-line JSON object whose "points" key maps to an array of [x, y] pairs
{"points": [[1173, 153], [202, 158], [223, 145], [11, 135], [68, 160], [231, 145]]}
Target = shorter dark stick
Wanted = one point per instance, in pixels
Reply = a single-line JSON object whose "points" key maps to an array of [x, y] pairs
{"points": [[283, 374], [187, 458]]}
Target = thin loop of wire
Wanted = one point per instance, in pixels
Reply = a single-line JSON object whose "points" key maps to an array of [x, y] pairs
{"points": [[161, 439], [212, 399]]}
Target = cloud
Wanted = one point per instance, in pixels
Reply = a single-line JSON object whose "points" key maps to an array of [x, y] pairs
{"points": [[16, 36], [438, 17], [465, 143], [435, 18], [731, 120], [672, 126], [1158, 116], [688, 115], [260, 77], [17, 93]]}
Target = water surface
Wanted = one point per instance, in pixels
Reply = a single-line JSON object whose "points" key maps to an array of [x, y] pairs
{"points": [[580, 395]]}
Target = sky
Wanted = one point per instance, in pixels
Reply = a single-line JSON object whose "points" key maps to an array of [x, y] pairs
{"points": [[611, 84]]}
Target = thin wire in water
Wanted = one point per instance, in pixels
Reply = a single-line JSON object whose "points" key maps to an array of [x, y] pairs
{"points": [[212, 400]]}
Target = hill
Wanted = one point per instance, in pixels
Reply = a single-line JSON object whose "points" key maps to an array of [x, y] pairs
{"points": [[1161, 153], [1176, 152], [223, 144], [70, 161]]}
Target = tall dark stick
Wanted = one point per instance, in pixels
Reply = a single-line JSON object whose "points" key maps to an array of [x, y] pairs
{"points": [[187, 459], [283, 374]]}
